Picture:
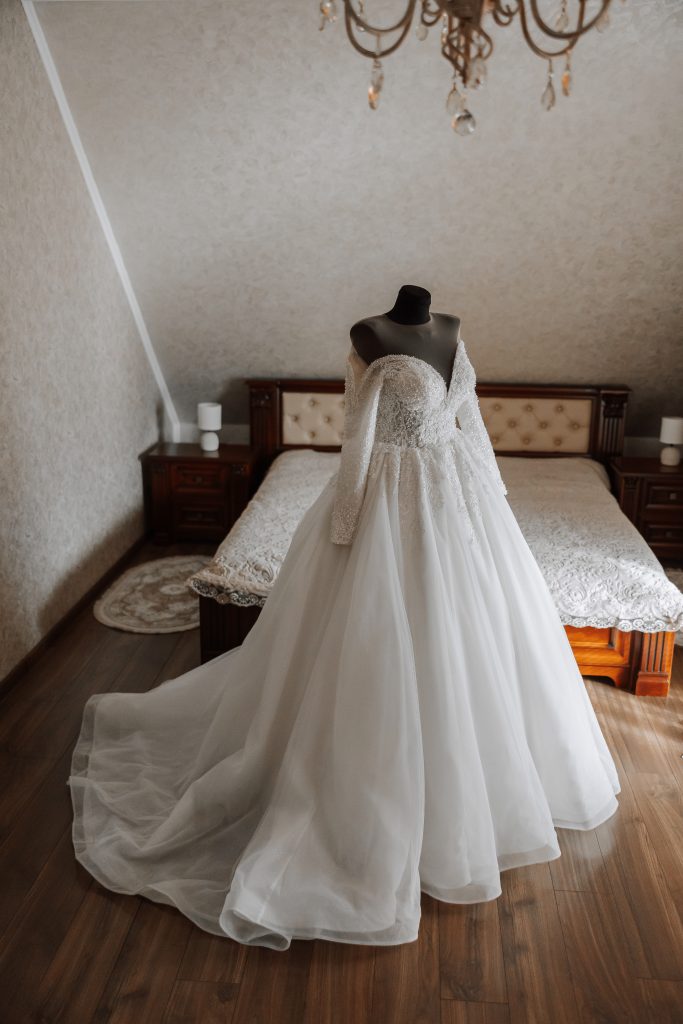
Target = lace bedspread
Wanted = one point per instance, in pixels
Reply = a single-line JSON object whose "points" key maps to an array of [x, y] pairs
{"points": [[599, 569]]}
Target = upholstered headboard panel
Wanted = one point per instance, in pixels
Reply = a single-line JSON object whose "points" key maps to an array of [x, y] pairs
{"points": [[538, 424], [311, 418], [522, 419]]}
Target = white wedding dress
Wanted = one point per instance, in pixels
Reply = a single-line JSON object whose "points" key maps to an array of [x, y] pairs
{"points": [[406, 714]]}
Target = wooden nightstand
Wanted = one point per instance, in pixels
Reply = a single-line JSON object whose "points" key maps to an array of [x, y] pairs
{"points": [[194, 495], [651, 495]]}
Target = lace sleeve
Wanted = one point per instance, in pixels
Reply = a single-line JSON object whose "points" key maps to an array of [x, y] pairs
{"points": [[360, 417], [474, 429]]}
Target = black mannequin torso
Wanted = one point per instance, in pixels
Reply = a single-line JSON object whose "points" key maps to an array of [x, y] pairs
{"points": [[409, 329]]}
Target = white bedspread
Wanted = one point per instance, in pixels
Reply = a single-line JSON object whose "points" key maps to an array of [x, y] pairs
{"points": [[599, 569]]}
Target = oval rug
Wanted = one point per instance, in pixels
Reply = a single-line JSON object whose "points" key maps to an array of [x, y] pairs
{"points": [[153, 597]]}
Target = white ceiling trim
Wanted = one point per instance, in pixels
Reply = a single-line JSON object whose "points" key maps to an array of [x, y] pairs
{"points": [[100, 210]]}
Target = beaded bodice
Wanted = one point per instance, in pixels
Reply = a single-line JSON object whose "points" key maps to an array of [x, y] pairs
{"points": [[402, 403], [414, 405]]}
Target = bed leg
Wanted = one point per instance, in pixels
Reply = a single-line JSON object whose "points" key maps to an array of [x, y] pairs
{"points": [[651, 663]]}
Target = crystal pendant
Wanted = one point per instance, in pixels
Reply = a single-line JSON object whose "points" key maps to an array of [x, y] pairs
{"points": [[562, 20], [328, 12], [548, 97], [376, 83], [455, 102], [421, 32], [603, 21], [476, 75], [463, 123], [567, 78], [377, 76]]}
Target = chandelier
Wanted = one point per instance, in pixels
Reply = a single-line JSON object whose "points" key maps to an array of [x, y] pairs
{"points": [[466, 44]]}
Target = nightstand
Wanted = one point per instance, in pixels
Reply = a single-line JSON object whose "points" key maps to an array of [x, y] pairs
{"points": [[194, 495], [651, 495]]}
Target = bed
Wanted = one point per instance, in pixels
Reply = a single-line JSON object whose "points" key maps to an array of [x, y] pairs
{"points": [[553, 444]]}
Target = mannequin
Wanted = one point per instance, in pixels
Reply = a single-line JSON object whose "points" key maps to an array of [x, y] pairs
{"points": [[409, 329]]}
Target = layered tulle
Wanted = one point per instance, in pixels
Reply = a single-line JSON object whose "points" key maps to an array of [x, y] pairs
{"points": [[406, 715]]}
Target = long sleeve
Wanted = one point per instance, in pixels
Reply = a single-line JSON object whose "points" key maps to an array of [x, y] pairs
{"points": [[474, 429], [360, 418]]}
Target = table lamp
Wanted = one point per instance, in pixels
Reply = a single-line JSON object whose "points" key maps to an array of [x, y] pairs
{"points": [[671, 434], [209, 416]]}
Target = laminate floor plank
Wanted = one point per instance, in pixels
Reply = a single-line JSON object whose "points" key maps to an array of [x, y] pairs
{"points": [[144, 973], [211, 958], [662, 1001], [26, 849], [456, 1012], [639, 884], [120, 664], [201, 1002], [77, 976], [41, 686], [660, 802], [666, 720], [38, 932], [41, 821], [539, 980], [634, 738], [471, 953], [340, 981], [581, 868], [274, 985], [406, 987], [604, 980], [21, 775]]}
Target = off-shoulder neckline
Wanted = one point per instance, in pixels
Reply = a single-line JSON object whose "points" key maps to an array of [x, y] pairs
{"points": [[398, 356]]}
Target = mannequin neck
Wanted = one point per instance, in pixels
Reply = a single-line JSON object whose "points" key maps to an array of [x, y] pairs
{"points": [[411, 306]]}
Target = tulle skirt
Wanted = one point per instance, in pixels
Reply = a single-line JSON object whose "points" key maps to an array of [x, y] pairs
{"points": [[405, 716]]}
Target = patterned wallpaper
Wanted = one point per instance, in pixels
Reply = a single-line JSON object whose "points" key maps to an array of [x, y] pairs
{"points": [[262, 207], [77, 398]]}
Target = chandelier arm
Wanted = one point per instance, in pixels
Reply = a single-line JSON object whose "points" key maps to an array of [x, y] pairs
{"points": [[403, 23], [503, 14], [379, 51], [539, 51], [435, 8], [571, 34]]}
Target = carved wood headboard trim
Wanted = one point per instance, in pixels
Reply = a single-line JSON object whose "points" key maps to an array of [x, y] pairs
{"points": [[605, 429]]}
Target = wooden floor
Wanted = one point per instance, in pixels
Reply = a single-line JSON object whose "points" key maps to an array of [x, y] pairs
{"points": [[596, 936]]}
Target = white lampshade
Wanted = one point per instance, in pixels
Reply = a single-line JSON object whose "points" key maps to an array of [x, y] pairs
{"points": [[209, 416], [672, 430]]}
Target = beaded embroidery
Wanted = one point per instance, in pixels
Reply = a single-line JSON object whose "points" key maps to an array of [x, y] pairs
{"points": [[401, 416]]}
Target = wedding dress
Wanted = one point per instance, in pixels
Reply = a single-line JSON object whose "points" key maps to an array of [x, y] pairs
{"points": [[406, 714]]}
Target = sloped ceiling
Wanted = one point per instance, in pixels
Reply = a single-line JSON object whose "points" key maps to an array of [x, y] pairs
{"points": [[261, 207]]}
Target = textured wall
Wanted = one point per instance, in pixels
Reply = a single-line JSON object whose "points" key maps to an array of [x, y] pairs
{"points": [[262, 207], [77, 398]]}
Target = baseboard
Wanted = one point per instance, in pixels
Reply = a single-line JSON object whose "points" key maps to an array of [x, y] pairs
{"points": [[16, 673]]}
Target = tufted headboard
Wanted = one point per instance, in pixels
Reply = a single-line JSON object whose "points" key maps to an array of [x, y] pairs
{"points": [[522, 419]]}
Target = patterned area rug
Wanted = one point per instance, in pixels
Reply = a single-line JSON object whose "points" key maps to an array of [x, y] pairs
{"points": [[676, 576], [153, 597]]}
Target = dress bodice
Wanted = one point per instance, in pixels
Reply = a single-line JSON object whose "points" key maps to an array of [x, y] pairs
{"points": [[415, 407], [402, 402]]}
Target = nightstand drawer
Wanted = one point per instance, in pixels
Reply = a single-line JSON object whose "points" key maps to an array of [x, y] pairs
{"points": [[192, 478], [664, 495], [199, 518], [663, 533], [194, 495]]}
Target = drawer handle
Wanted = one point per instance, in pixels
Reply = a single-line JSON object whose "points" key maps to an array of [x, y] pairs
{"points": [[673, 495], [199, 516]]}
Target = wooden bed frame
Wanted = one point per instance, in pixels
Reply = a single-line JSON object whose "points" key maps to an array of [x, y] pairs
{"points": [[638, 662]]}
